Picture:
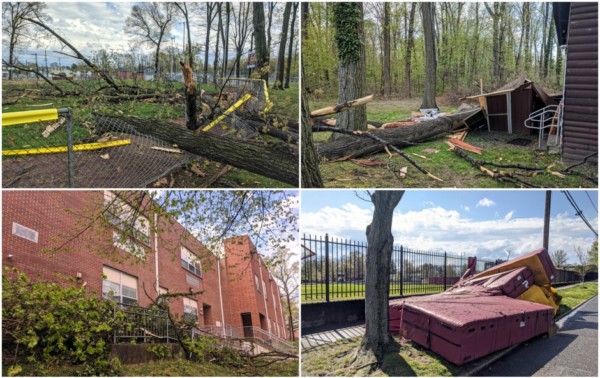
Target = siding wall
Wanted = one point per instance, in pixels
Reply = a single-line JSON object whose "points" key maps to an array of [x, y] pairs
{"points": [[580, 120]]}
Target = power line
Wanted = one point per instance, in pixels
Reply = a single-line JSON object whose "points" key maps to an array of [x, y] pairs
{"points": [[588, 195], [578, 211]]}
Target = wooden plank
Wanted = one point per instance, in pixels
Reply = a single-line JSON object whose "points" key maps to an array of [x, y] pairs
{"points": [[466, 146]]}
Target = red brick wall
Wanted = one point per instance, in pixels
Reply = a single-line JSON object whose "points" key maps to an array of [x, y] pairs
{"points": [[56, 214]]}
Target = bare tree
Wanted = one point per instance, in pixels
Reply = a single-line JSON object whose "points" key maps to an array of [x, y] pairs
{"points": [[583, 262], [387, 52], [225, 37], [559, 257], [271, 5], [184, 10], [150, 22], [210, 17], [16, 31], [242, 28], [284, 267]]}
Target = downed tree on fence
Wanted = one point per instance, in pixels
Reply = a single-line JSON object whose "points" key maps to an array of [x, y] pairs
{"points": [[353, 146], [278, 161]]}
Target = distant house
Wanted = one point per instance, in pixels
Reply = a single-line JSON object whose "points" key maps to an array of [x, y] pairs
{"points": [[577, 31]]}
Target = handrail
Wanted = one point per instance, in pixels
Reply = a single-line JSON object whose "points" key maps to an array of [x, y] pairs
{"points": [[251, 333], [541, 116]]}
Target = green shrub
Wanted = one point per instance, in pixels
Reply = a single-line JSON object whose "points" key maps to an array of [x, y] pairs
{"points": [[53, 324], [209, 349]]}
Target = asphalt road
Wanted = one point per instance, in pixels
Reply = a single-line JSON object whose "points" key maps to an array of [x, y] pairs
{"points": [[572, 352]]}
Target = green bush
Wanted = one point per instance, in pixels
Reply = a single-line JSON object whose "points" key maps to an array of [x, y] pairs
{"points": [[208, 349], [52, 324]]}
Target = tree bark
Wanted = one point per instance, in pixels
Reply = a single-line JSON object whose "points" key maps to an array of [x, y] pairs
{"points": [[349, 26], [209, 19], [311, 175], [387, 52], [277, 161], [356, 146], [430, 59], [410, 43], [260, 43], [282, 43], [291, 46], [377, 280]]}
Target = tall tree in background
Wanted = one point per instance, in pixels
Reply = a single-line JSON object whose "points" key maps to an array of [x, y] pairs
{"points": [[496, 13], [260, 41], [210, 17], [430, 58], [291, 45], [150, 22], [225, 38], [282, 43], [387, 52], [349, 31], [284, 266], [380, 242], [271, 5], [409, 45], [219, 31], [559, 257], [184, 10], [241, 31], [16, 32]]}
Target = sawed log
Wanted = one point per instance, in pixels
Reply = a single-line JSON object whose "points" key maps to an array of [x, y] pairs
{"points": [[341, 107]]}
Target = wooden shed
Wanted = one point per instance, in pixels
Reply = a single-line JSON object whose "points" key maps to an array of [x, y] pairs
{"points": [[508, 107], [577, 30]]}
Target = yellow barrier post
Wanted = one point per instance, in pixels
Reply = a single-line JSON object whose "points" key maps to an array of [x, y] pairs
{"points": [[29, 116]]}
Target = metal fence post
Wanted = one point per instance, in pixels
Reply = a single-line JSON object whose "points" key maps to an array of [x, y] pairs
{"points": [[327, 267], [401, 271], [445, 269], [70, 156]]}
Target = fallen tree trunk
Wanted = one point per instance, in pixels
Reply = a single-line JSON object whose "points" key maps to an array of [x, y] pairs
{"points": [[353, 146], [277, 161], [341, 107]]}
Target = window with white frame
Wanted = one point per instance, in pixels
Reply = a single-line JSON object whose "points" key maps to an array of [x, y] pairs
{"points": [[118, 286], [128, 246], [190, 261], [190, 309], [120, 214], [265, 290], [257, 282], [25, 232]]}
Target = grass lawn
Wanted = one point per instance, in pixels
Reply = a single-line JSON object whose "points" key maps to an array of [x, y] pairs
{"points": [[445, 164], [34, 96], [410, 359], [344, 291]]}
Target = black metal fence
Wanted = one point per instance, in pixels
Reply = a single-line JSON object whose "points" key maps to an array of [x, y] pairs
{"points": [[334, 269]]}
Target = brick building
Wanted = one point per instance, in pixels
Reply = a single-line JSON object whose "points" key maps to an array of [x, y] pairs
{"points": [[37, 232]]}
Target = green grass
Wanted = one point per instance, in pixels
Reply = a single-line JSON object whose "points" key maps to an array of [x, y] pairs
{"points": [[408, 359], [32, 93], [573, 296], [445, 164], [344, 291]]}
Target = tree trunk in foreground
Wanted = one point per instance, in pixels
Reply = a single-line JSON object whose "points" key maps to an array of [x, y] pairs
{"points": [[311, 175], [351, 146], [277, 161], [377, 279]]}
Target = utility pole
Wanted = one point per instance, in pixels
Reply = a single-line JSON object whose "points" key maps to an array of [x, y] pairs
{"points": [[547, 218]]}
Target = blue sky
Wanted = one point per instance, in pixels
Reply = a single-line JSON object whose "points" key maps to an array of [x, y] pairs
{"points": [[475, 222]]}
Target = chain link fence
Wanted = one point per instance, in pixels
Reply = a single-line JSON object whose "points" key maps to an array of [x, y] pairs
{"points": [[53, 149]]}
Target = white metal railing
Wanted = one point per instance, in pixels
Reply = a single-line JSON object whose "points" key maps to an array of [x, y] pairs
{"points": [[251, 333], [542, 119]]}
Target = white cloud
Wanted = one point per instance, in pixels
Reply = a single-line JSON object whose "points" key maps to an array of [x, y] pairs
{"points": [[439, 229], [485, 202], [509, 215], [465, 208]]}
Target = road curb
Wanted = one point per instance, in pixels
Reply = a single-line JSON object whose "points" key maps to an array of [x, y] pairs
{"points": [[504, 352]]}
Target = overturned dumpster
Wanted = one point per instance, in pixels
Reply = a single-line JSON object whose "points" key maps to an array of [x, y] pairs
{"points": [[483, 313]]}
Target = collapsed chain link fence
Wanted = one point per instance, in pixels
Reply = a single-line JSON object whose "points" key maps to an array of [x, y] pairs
{"points": [[78, 152], [58, 148]]}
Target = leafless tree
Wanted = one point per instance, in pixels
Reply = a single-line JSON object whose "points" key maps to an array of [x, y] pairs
{"points": [[150, 22], [282, 43], [242, 29], [583, 262], [559, 257], [17, 32], [210, 17]]}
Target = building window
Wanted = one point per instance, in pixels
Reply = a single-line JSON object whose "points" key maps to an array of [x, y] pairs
{"points": [[190, 309], [118, 286], [190, 261], [128, 246], [25, 232], [120, 214], [257, 282], [192, 280], [265, 290]]}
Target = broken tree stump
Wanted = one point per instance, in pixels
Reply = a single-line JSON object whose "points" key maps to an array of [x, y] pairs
{"points": [[351, 146]]}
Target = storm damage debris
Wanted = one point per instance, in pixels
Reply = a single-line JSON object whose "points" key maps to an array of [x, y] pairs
{"points": [[483, 313]]}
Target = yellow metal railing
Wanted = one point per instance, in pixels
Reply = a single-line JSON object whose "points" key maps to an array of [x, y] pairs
{"points": [[30, 116]]}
